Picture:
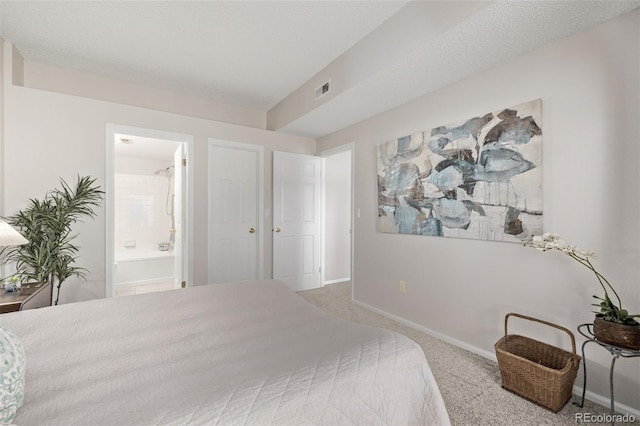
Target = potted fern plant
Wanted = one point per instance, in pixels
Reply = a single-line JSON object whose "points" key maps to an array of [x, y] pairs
{"points": [[50, 255], [613, 324]]}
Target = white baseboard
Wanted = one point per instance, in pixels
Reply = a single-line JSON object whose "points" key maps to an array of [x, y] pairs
{"points": [[577, 390], [605, 401], [432, 333], [339, 280]]}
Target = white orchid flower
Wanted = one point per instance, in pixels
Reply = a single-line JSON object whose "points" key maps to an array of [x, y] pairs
{"points": [[550, 241]]}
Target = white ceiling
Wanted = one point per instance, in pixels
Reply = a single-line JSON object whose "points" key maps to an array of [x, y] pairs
{"points": [[255, 53], [246, 53], [489, 37]]}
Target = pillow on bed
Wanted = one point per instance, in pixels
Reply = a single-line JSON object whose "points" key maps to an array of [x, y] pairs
{"points": [[11, 375]]}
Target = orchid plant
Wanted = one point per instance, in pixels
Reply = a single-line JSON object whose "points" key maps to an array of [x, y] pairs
{"points": [[609, 310]]}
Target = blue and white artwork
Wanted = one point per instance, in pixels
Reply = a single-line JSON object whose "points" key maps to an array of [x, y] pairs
{"points": [[479, 179]]}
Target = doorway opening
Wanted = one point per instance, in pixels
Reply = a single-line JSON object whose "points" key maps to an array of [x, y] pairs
{"points": [[337, 215], [147, 237]]}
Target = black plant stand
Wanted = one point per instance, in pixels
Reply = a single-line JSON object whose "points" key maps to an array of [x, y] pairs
{"points": [[616, 352]]}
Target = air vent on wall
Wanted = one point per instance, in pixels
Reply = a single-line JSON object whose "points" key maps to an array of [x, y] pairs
{"points": [[323, 90]]}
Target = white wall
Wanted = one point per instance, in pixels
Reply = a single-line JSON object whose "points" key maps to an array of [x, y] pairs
{"points": [[461, 289], [51, 135], [337, 217], [71, 82]]}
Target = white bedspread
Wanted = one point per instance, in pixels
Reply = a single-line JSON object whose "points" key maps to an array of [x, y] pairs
{"points": [[250, 353]]}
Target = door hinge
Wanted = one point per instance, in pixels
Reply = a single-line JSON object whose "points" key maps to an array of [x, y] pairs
{"points": [[184, 284], [184, 162]]}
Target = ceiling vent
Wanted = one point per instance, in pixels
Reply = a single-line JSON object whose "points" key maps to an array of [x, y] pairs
{"points": [[323, 90]]}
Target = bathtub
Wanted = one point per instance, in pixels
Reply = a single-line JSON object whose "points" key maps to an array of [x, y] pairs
{"points": [[138, 267]]}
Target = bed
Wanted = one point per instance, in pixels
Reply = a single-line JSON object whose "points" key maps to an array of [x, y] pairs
{"points": [[247, 353]]}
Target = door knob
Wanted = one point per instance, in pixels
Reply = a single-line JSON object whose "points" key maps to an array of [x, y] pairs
{"points": [[277, 229], [252, 230]]}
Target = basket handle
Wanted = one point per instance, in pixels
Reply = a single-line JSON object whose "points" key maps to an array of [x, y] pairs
{"points": [[550, 324]]}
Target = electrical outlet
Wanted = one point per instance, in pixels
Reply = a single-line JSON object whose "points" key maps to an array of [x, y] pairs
{"points": [[402, 286]]}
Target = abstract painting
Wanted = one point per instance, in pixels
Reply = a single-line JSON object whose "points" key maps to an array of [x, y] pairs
{"points": [[479, 179]]}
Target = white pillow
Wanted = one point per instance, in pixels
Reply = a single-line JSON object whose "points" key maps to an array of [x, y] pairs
{"points": [[11, 375]]}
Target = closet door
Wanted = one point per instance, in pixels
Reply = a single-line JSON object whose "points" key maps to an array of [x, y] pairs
{"points": [[233, 214]]}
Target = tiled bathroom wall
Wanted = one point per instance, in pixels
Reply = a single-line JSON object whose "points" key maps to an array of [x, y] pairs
{"points": [[141, 219]]}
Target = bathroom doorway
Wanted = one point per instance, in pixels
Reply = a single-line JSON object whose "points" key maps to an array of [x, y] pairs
{"points": [[147, 202]]}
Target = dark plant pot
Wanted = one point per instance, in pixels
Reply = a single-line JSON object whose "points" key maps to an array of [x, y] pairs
{"points": [[621, 335]]}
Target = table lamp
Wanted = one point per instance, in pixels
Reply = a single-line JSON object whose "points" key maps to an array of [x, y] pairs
{"points": [[9, 236]]}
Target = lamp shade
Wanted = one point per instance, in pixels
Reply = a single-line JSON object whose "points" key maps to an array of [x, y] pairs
{"points": [[9, 236]]}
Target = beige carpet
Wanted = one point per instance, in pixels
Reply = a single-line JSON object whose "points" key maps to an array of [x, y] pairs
{"points": [[470, 384]]}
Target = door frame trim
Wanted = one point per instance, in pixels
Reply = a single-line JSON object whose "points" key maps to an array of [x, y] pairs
{"points": [[350, 147], [260, 211], [110, 131]]}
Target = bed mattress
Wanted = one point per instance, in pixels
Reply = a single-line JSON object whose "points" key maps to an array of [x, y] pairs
{"points": [[245, 353]]}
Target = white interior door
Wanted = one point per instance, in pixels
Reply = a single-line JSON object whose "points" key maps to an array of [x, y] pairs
{"points": [[297, 181], [233, 214], [179, 209]]}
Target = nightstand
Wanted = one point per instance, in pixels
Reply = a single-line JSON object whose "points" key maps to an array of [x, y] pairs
{"points": [[10, 302]]}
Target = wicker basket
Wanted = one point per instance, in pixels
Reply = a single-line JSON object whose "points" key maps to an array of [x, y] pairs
{"points": [[537, 371]]}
